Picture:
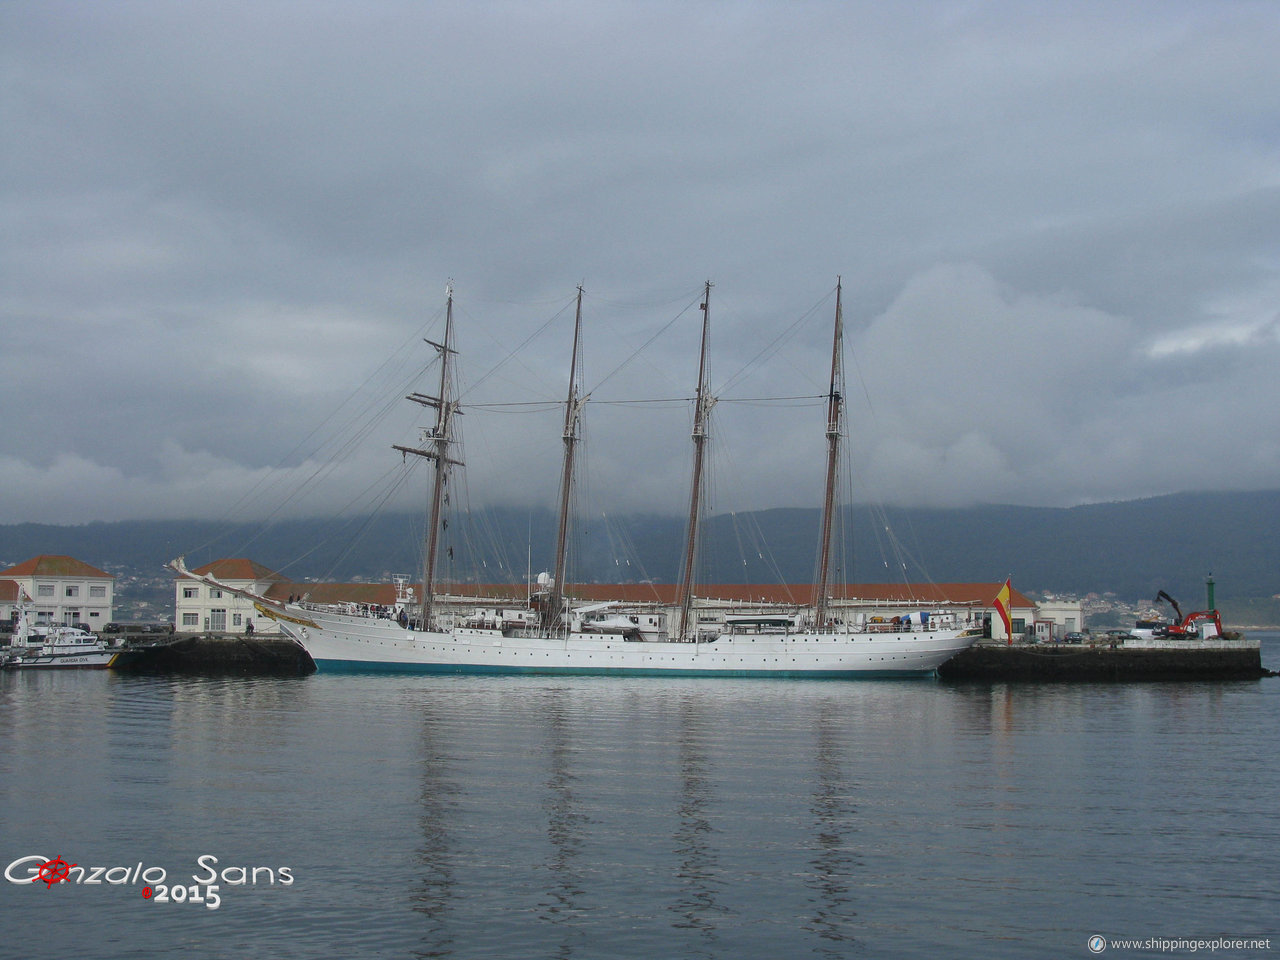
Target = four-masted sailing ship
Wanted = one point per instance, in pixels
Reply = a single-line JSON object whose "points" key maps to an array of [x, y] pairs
{"points": [[548, 634]]}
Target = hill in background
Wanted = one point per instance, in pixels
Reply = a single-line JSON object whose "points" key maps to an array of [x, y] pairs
{"points": [[1131, 548]]}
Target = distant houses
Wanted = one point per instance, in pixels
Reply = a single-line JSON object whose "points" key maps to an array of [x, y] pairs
{"points": [[61, 590]]}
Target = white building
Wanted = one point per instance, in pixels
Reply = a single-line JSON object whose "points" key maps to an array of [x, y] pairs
{"points": [[63, 590], [1059, 616], [199, 608]]}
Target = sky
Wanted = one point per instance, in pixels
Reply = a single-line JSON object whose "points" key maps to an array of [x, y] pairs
{"points": [[226, 229]]}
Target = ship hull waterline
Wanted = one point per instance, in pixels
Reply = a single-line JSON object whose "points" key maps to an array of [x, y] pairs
{"points": [[363, 645]]}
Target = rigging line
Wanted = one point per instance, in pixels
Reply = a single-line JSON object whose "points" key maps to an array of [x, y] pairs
{"points": [[477, 534], [518, 349], [725, 457], [371, 416], [378, 371], [541, 404], [353, 541], [645, 304], [370, 419], [632, 556], [488, 544], [536, 302], [765, 552], [774, 343], [644, 346], [322, 468], [331, 464], [810, 397], [365, 420], [862, 382], [342, 511], [319, 471], [552, 404], [655, 402]]}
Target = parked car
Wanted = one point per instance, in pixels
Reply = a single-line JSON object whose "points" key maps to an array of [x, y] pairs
{"points": [[1073, 637]]}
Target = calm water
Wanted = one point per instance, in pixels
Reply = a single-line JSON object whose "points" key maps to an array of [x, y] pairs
{"points": [[647, 818]]}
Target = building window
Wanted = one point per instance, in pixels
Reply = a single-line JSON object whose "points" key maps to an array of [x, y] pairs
{"points": [[191, 619], [237, 620], [215, 594], [190, 593], [73, 591], [1018, 626], [98, 591], [44, 590]]}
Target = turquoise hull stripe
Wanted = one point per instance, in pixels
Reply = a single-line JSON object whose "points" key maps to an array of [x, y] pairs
{"points": [[370, 666]]}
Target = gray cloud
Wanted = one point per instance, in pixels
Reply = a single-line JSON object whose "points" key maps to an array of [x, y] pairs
{"points": [[1057, 227]]}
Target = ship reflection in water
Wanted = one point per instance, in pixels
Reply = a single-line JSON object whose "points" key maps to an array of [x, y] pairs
{"points": [[671, 816]]}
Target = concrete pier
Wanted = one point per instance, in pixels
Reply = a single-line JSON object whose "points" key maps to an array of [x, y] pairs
{"points": [[1182, 660]]}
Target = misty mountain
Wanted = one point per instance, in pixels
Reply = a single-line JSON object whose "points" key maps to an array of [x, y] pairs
{"points": [[1131, 548]]}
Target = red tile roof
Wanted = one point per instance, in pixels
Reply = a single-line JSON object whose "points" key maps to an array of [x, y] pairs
{"points": [[47, 565], [383, 594], [897, 594], [975, 594], [8, 591], [978, 594], [238, 568]]}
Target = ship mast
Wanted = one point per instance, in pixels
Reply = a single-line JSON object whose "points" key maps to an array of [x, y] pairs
{"points": [[835, 407], [554, 613], [702, 408], [436, 441]]}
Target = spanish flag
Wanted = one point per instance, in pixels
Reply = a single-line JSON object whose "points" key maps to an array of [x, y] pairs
{"points": [[1002, 608]]}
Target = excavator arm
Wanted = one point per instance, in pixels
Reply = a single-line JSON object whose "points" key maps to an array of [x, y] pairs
{"points": [[1172, 602]]}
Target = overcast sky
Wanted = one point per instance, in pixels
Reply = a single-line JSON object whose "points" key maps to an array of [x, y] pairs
{"points": [[227, 227]]}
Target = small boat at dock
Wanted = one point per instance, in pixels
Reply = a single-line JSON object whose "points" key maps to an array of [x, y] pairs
{"points": [[35, 647]]}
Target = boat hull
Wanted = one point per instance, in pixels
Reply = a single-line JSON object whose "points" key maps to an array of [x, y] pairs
{"points": [[340, 643], [72, 661]]}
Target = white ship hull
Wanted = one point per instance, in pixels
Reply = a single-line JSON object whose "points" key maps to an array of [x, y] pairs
{"points": [[342, 643]]}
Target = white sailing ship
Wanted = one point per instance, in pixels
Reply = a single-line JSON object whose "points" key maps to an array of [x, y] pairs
{"points": [[549, 635]]}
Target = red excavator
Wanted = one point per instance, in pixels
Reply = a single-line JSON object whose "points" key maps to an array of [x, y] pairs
{"points": [[1199, 625]]}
